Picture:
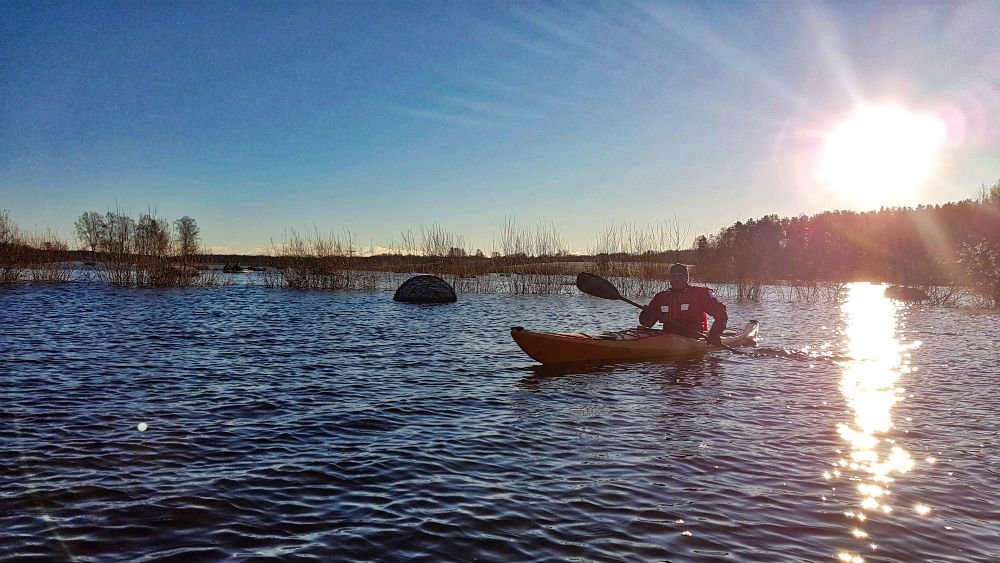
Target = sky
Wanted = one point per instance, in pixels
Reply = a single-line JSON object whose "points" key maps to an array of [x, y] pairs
{"points": [[371, 119]]}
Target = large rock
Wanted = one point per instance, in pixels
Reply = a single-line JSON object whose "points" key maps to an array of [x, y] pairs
{"points": [[425, 289], [901, 293]]}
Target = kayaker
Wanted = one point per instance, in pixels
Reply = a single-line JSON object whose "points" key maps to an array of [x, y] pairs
{"points": [[684, 309]]}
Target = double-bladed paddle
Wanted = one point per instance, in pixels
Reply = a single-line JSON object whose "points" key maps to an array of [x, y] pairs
{"points": [[595, 285]]}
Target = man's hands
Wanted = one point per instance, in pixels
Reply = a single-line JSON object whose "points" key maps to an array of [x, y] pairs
{"points": [[714, 338]]}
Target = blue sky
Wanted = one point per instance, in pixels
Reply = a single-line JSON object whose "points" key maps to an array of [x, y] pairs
{"points": [[376, 118]]}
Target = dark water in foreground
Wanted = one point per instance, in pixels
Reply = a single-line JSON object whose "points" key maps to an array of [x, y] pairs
{"points": [[245, 424]]}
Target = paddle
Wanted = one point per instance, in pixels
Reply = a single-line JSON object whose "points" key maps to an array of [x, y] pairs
{"points": [[595, 285]]}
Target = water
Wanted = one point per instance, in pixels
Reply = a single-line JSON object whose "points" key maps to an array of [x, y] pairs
{"points": [[250, 424]]}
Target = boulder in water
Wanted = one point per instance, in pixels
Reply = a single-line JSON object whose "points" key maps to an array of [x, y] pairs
{"points": [[425, 289], [902, 293]]}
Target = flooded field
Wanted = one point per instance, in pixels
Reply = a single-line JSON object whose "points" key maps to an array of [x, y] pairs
{"points": [[242, 423]]}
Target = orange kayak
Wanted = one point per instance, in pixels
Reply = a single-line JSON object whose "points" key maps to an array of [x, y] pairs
{"points": [[635, 344]]}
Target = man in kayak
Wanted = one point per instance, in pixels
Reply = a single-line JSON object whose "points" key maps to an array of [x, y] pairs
{"points": [[684, 309]]}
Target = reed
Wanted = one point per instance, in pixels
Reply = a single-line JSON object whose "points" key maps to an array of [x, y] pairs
{"points": [[798, 290], [318, 261], [749, 289], [212, 277], [639, 256], [947, 295], [522, 260], [13, 251], [529, 259], [833, 291], [47, 259], [484, 283], [33, 257]]}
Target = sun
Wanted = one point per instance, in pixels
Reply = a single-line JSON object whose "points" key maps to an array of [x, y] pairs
{"points": [[881, 155]]}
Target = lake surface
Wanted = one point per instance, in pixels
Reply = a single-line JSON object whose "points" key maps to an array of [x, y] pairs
{"points": [[250, 424]]}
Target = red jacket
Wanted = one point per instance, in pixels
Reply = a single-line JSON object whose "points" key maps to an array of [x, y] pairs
{"points": [[688, 307]]}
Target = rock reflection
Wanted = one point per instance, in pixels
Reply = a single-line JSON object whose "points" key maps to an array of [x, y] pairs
{"points": [[869, 384]]}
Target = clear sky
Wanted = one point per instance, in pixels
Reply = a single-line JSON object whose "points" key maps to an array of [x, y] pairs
{"points": [[381, 117]]}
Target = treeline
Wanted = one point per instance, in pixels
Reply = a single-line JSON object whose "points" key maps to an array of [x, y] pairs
{"points": [[121, 250], [950, 245], [146, 252], [945, 249], [524, 259]]}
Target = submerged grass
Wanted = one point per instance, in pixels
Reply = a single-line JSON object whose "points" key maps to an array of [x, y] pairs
{"points": [[318, 261]]}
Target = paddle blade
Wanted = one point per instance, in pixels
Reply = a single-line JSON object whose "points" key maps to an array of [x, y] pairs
{"points": [[597, 286]]}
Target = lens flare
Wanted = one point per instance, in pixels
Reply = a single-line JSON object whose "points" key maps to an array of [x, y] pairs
{"points": [[882, 155]]}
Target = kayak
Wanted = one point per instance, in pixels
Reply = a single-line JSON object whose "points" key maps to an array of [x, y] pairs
{"points": [[634, 344]]}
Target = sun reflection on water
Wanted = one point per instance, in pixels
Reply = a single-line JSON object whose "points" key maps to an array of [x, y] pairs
{"points": [[869, 384]]}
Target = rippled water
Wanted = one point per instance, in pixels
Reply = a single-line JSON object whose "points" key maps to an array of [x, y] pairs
{"points": [[244, 424]]}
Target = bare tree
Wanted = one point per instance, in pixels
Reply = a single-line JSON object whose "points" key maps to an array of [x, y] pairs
{"points": [[8, 230], [188, 237], [89, 228], [152, 236], [118, 234], [439, 242], [11, 250], [990, 195], [674, 235], [407, 243]]}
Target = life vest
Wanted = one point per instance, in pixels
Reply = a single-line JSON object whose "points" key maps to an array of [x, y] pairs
{"points": [[685, 308], [688, 307]]}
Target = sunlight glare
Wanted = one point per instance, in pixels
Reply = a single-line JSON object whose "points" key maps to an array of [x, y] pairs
{"points": [[882, 155], [870, 386]]}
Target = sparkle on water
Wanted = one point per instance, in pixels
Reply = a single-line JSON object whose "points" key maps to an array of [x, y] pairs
{"points": [[870, 387]]}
